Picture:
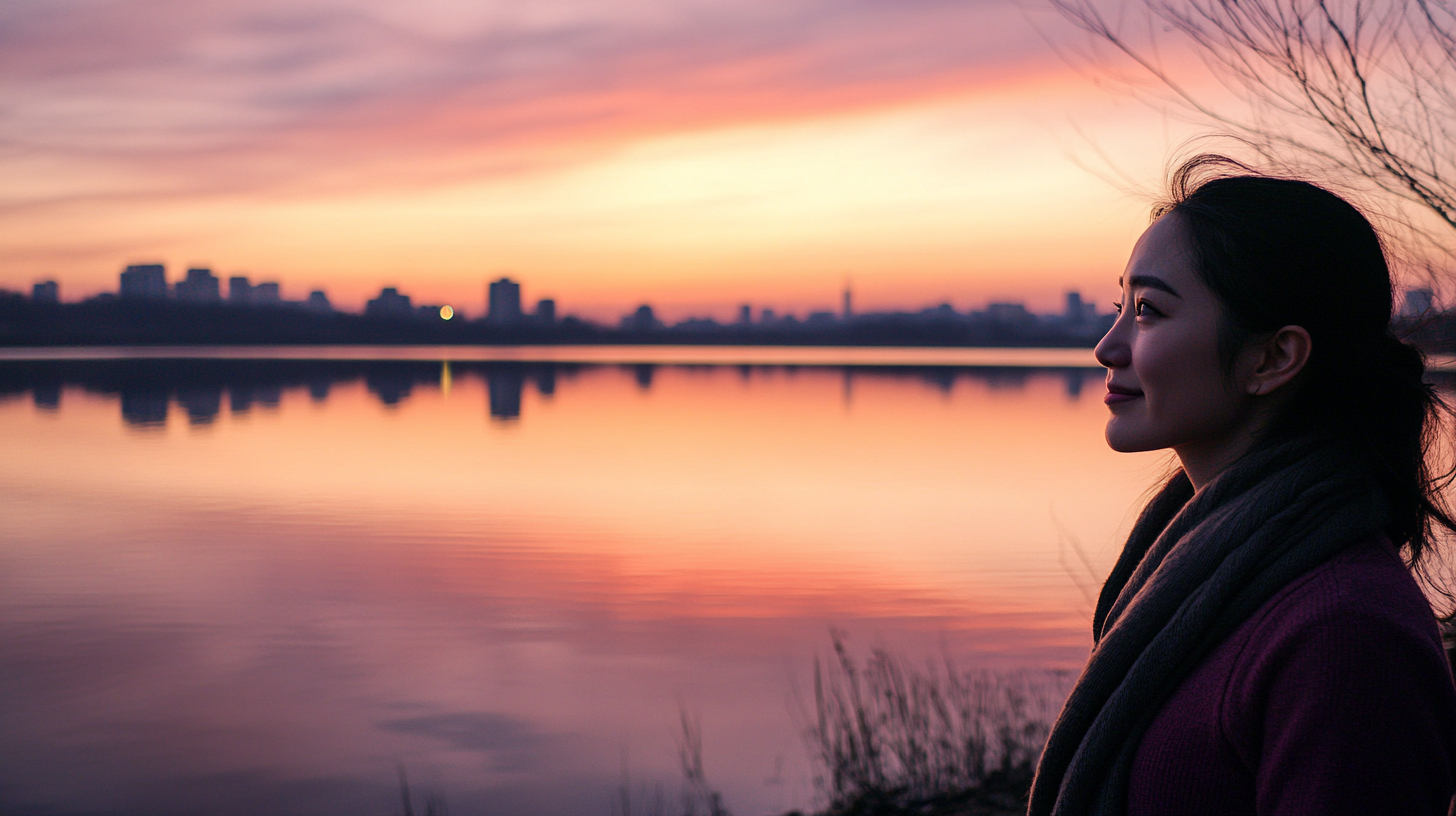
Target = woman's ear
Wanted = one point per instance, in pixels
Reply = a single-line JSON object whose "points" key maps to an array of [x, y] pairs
{"points": [[1276, 360]]}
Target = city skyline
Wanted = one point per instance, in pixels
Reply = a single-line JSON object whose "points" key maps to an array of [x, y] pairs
{"points": [[503, 302]]}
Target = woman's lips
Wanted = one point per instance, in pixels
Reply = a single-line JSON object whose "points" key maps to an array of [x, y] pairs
{"points": [[1116, 395]]}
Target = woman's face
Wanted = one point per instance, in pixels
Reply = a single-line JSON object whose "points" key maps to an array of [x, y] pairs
{"points": [[1166, 387]]}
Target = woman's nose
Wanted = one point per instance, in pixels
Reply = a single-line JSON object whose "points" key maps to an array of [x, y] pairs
{"points": [[1113, 350]]}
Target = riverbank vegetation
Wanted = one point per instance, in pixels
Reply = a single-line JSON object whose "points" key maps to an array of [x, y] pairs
{"points": [[890, 737], [885, 737]]}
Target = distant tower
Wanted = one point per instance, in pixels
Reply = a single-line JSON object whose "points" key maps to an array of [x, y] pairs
{"points": [[546, 311], [505, 302], [745, 315], [46, 292], [319, 302], [848, 302], [643, 319], [1076, 309], [144, 281], [390, 303], [240, 292], [200, 286]]}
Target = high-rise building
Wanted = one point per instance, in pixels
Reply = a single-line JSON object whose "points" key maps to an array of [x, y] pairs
{"points": [[848, 303], [240, 292], [1078, 310], [643, 319], [745, 314], [266, 294], [546, 311], [505, 302], [200, 286], [46, 292], [390, 303], [144, 281], [319, 302]]}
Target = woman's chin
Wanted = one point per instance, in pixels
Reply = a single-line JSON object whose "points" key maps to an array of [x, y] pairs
{"points": [[1127, 440]]}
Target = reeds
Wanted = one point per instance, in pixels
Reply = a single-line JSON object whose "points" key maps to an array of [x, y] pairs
{"points": [[698, 796], [890, 738], [434, 805]]}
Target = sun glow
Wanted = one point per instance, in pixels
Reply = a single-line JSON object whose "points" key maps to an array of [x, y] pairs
{"points": [[763, 174]]}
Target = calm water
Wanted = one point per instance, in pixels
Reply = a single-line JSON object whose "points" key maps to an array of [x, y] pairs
{"points": [[231, 585]]}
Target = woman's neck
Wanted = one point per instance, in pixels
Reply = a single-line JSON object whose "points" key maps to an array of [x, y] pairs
{"points": [[1205, 460]]}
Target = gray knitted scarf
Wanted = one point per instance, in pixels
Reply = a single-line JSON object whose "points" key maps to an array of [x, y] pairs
{"points": [[1194, 567]]}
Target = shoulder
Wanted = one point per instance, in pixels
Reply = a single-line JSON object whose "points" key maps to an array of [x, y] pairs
{"points": [[1361, 602], [1342, 675]]}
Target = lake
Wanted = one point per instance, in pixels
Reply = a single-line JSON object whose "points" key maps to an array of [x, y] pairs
{"points": [[241, 581]]}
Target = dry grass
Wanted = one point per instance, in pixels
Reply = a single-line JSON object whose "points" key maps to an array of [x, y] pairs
{"points": [[892, 738]]}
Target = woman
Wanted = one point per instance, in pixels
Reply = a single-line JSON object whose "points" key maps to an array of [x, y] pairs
{"points": [[1261, 644]]}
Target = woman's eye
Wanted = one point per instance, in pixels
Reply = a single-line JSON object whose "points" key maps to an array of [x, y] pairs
{"points": [[1145, 309]]}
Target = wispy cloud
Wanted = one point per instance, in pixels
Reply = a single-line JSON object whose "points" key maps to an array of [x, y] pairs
{"points": [[181, 97]]}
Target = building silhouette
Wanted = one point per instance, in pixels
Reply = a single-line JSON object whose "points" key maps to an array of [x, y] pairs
{"points": [[200, 286], [390, 303], [46, 292], [546, 311], [144, 282], [505, 302], [1010, 313], [266, 294], [641, 320], [1078, 311], [319, 302], [240, 292]]}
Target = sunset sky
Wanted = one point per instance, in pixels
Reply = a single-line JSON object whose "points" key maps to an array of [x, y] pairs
{"points": [[694, 154]]}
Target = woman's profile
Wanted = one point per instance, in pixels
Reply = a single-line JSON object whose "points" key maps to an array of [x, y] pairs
{"points": [[1262, 646]]}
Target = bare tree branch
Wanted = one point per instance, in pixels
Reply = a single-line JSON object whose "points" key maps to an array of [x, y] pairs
{"points": [[1364, 89]]}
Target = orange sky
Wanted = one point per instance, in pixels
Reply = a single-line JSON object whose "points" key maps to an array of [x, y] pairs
{"points": [[692, 155]]}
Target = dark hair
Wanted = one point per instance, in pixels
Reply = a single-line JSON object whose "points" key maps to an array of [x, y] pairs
{"points": [[1284, 252]]}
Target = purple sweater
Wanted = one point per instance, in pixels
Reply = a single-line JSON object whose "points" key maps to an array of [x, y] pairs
{"points": [[1334, 698]]}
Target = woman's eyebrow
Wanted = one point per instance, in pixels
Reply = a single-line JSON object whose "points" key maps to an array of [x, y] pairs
{"points": [[1150, 282]]}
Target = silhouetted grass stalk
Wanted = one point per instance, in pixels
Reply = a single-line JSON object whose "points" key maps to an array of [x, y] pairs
{"points": [[434, 805], [699, 797], [889, 737]]}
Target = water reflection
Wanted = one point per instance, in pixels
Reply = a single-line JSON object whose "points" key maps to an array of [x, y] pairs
{"points": [[504, 384], [253, 586], [199, 389], [509, 575], [47, 396], [144, 407]]}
